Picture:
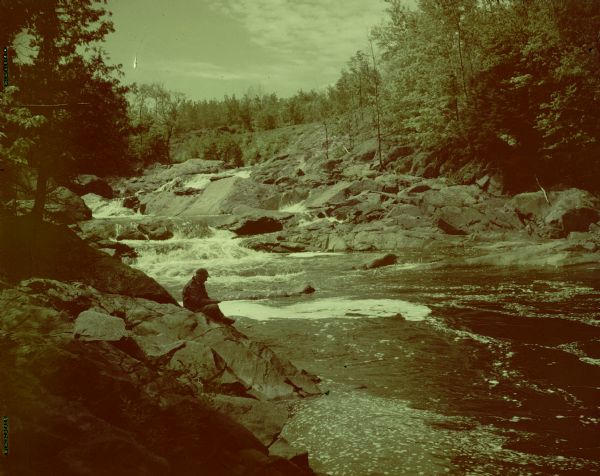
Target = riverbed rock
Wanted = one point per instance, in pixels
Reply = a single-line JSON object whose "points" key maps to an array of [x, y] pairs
{"points": [[572, 210], [386, 260], [155, 231], [121, 410], [85, 183], [62, 255], [306, 288], [458, 220], [131, 234], [62, 206], [256, 225], [133, 202], [166, 359], [97, 326]]}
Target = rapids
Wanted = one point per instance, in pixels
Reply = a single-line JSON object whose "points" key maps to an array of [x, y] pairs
{"points": [[425, 370]]}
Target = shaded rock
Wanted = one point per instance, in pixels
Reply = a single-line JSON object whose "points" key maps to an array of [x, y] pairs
{"points": [[182, 350], [31, 249], [419, 188], [386, 260], [303, 289], [63, 206], [459, 218], [448, 228], [572, 210], [92, 325], [256, 225], [132, 202], [120, 414], [155, 231], [263, 419], [84, 184], [131, 234], [365, 151], [578, 219], [284, 449]]}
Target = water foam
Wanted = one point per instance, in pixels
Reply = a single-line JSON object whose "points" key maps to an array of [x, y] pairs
{"points": [[298, 207], [328, 308], [175, 260], [105, 208], [198, 181]]}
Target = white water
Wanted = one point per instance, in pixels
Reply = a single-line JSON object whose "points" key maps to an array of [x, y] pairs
{"points": [[103, 208], [299, 207], [199, 181], [173, 262], [328, 308]]}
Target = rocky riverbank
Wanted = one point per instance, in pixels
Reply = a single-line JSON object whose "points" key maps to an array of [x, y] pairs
{"points": [[104, 372], [299, 201], [85, 331]]}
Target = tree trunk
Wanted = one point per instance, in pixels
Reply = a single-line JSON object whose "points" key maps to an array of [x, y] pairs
{"points": [[377, 108], [326, 140], [40, 192]]}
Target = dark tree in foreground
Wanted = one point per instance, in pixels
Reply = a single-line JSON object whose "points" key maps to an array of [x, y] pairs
{"points": [[66, 80]]}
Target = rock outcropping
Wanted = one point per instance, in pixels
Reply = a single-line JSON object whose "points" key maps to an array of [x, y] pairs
{"points": [[98, 383]]}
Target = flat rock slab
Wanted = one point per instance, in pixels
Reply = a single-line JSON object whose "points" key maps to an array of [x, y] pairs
{"points": [[94, 326]]}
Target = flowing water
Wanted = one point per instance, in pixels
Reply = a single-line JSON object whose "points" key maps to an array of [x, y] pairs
{"points": [[426, 370]]}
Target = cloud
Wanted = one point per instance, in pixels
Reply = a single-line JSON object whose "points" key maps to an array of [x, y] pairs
{"points": [[307, 33], [203, 70]]}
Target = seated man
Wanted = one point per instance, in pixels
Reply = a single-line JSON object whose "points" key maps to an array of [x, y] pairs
{"points": [[195, 298]]}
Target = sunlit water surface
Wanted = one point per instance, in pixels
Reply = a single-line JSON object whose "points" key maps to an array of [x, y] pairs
{"points": [[426, 371]]}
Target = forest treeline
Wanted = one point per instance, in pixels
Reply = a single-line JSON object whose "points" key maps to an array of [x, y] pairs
{"points": [[511, 84]]}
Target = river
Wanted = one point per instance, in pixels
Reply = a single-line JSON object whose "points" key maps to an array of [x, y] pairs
{"points": [[426, 369]]}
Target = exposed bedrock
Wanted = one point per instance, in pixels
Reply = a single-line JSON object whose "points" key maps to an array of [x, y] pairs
{"points": [[137, 387]]}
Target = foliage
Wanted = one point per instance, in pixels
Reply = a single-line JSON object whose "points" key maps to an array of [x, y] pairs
{"points": [[511, 83]]}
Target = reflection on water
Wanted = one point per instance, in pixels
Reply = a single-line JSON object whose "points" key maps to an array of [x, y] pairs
{"points": [[464, 371]]}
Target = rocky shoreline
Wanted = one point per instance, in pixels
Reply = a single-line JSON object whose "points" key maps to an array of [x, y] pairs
{"points": [[300, 202], [85, 331]]}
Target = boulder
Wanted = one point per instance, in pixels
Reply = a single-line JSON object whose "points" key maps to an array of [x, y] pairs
{"points": [[256, 225], [303, 289], [331, 195], [131, 234], [120, 413], [219, 196], [84, 184], [386, 260], [458, 218], [448, 228], [263, 419], [93, 326], [456, 195], [31, 249], [155, 231], [365, 152], [132, 202], [530, 206], [64, 206], [572, 210]]}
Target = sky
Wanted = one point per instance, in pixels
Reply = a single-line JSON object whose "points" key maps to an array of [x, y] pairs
{"points": [[209, 48]]}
